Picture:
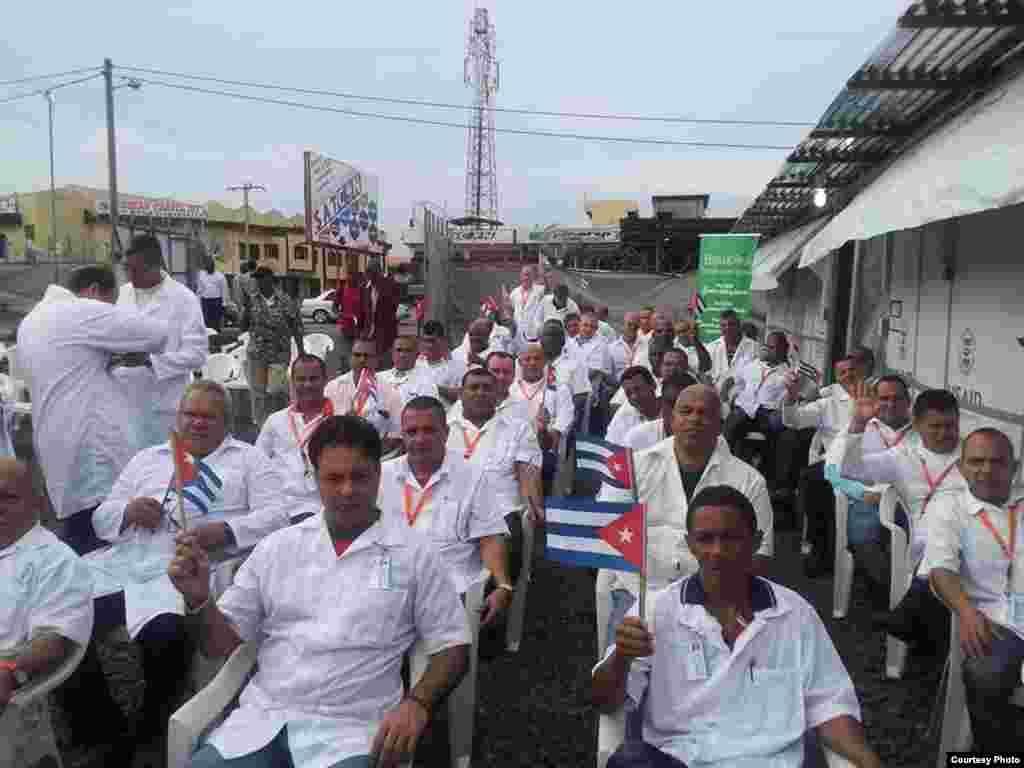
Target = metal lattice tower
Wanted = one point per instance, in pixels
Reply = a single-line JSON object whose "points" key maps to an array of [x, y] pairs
{"points": [[481, 74]]}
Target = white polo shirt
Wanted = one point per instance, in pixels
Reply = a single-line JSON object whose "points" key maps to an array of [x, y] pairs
{"points": [[496, 448], [453, 510], [279, 442], [527, 309], [760, 385], [43, 585], [749, 705], [721, 367], [660, 486], [556, 399], [570, 372], [383, 409], [332, 632], [828, 417], [415, 382], [646, 435]]}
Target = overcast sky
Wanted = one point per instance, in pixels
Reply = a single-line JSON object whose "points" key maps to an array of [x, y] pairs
{"points": [[780, 60]]}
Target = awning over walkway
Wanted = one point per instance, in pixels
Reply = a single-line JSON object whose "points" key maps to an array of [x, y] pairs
{"points": [[973, 164], [778, 254]]}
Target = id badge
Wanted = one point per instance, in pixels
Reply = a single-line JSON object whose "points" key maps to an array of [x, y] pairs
{"points": [[1016, 612], [382, 580], [696, 663]]}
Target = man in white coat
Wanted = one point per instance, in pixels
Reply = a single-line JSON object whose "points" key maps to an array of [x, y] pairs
{"points": [[156, 382], [527, 310], [84, 432]]}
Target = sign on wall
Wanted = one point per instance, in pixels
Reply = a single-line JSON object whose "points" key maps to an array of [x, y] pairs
{"points": [[8, 204], [723, 279], [161, 209], [342, 204], [481, 235]]}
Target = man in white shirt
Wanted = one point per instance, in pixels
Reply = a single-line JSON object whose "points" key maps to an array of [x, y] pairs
{"points": [[688, 339], [667, 477], [975, 563], [498, 337], [661, 331], [730, 349], [642, 405], [727, 668], [379, 403], [626, 351], [405, 377], [558, 304], [45, 610], [284, 438], [923, 468], [503, 366], [527, 307], [592, 355], [603, 326], [156, 382], [334, 604], [476, 345], [759, 388], [567, 369], [212, 289], [232, 501], [438, 493], [445, 370], [85, 429], [649, 433]]}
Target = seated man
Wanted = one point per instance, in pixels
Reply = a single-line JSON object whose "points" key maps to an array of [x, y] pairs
{"points": [[730, 350], [334, 602], [232, 502], [627, 349], [667, 477], [975, 567], [438, 493], [865, 537], [380, 404], [759, 387], [446, 371], [45, 600], [592, 354], [923, 468], [410, 381], [642, 405], [650, 433], [284, 439], [503, 366], [665, 360], [688, 339], [728, 669]]}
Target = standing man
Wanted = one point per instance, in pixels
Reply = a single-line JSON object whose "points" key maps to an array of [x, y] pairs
{"points": [[592, 354], [212, 289], [157, 382], [558, 305], [603, 326], [378, 403], [444, 369], [352, 591], [380, 305], [527, 309], [410, 381], [975, 563], [85, 428], [730, 349], [567, 369], [760, 387]]}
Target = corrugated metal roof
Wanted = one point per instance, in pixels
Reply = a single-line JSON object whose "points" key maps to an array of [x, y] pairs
{"points": [[941, 54]]}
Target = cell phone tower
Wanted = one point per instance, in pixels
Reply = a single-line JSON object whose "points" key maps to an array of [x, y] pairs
{"points": [[481, 72]]}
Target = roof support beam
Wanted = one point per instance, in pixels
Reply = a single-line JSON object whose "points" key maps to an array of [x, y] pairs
{"points": [[949, 16], [894, 82]]}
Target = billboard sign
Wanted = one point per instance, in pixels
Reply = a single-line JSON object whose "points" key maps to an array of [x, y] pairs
{"points": [[482, 235], [723, 279], [582, 235], [161, 209], [342, 204]]}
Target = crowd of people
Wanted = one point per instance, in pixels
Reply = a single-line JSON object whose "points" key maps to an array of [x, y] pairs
{"points": [[372, 502]]}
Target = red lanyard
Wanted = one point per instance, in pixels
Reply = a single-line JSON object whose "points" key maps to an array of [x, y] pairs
{"points": [[471, 444], [412, 513], [887, 444], [1008, 550], [933, 484], [360, 402], [307, 431]]}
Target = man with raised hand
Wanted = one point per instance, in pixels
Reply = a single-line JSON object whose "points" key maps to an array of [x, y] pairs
{"points": [[410, 381], [728, 668], [284, 438], [374, 400], [527, 307], [438, 493], [975, 562], [335, 603], [476, 345]]}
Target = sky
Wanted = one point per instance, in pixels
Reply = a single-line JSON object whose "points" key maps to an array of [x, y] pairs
{"points": [[781, 61]]}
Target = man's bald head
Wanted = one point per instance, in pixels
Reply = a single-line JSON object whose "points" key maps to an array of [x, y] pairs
{"points": [[19, 502], [697, 420]]}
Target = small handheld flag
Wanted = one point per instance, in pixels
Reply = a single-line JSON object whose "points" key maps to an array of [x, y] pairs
{"points": [[595, 534], [696, 305], [608, 461], [193, 480]]}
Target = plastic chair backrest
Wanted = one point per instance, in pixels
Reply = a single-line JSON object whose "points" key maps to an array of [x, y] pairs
{"points": [[220, 367], [318, 344]]}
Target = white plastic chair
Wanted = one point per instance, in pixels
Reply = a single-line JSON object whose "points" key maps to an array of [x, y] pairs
{"points": [[318, 344], [956, 724], [462, 701], [842, 584], [18, 380], [220, 367], [901, 572], [29, 709]]}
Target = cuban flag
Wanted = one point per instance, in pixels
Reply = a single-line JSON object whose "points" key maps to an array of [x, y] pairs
{"points": [[696, 305], [607, 461], [199, 483], [595, 534]]}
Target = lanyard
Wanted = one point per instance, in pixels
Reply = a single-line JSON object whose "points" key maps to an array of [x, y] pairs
{"points": [[885, 442], [471, 444], [360, 402], [933, 483], [1008, 550], [529, 397], [412, 513], [307, 431]]}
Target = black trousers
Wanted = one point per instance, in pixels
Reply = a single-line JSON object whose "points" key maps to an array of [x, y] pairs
{"points": [[77, 532], [816, 503], [791, 449], [640, 754], [739, 425], [213, 313]]}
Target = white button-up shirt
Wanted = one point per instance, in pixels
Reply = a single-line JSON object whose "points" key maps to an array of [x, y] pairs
{"points": [[592, 354], [556, 399], [528, 314], [504, 442], [647, 434], [568, 371], [510, 408], [624, 356], [415, 382], [721, 367], [828, 417], [742, 707], [660, 486], [913, 470], [383, 409], [623, 421], [85, 428], [159, 389], [43, 586], [456, 513], [248, 501], [334, 631], [760, 385], [959, 541], [277, 441]]}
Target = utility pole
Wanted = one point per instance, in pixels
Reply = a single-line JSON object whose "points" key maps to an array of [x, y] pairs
{"points": [[115, 209], [245, 189], [53, 197]]}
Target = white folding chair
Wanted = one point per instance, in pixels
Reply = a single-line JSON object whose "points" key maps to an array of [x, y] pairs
{"points": [[956, 723], [26, 730], [462, 701], [842, 584], [220, 367], [901, 572], [318, 344]]}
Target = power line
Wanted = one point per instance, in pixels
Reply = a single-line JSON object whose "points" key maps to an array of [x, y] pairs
{"points": [[54, 76], [41, 91], [463, 126], [464, 107]]}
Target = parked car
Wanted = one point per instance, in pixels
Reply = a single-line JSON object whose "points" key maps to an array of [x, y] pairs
{"points": [[320, 309]]}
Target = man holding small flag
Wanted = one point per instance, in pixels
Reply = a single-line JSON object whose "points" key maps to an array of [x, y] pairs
{"points": [[360, 393]]}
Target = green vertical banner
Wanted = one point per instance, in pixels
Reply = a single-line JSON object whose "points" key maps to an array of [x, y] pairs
{"points": [[723, 279]]}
